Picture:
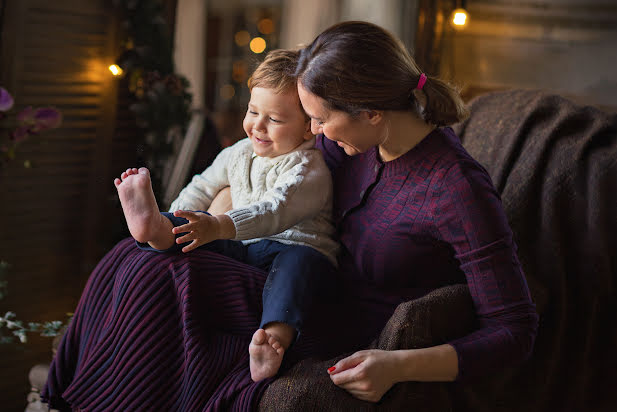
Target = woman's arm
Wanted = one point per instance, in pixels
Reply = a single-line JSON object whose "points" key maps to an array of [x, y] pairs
{"points": [[369, 374], [470, 217]]}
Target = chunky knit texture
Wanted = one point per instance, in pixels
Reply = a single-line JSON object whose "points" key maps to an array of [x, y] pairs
{"points": [[287, 198]]}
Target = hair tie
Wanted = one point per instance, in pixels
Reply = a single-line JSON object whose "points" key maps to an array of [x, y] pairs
{"points": [[421, 81]]}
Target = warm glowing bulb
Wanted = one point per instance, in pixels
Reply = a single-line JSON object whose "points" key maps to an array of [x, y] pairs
{"points": [[459, 18], [115, 70], [257, 45]]}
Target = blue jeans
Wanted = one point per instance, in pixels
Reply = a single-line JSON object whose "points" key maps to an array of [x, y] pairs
{"points": [[298, 275]]}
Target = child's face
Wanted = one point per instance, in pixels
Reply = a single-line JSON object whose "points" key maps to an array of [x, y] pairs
{"points": [[275, 122]]}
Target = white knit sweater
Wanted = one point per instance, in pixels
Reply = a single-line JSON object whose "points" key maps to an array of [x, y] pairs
{"points": [[287, 198]]}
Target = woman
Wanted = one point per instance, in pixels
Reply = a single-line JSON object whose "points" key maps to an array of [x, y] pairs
{"points": [[415, 212]]}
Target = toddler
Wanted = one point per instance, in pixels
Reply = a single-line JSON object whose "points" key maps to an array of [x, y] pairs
{"points": [[281, 191]]}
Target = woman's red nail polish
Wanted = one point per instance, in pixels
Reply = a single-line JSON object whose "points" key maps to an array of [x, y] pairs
{"points": [[331, 369]]}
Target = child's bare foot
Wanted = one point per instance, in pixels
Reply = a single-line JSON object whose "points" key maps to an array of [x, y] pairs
{"points": [[266, 354], [139, 205]]}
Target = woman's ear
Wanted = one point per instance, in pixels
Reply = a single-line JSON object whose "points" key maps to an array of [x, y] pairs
{"points": [[374, 117]]}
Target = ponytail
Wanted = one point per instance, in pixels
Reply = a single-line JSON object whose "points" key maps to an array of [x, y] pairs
{"points": [[444, 105]]}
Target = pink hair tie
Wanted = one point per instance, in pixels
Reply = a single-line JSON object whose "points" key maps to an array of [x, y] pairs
{"points": [[421, 81]]}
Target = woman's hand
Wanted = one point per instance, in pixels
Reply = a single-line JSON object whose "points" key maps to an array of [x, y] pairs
{"points": [[367, 374]]}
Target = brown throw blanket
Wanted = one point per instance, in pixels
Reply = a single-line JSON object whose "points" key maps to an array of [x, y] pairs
{"points": [[555, 165], [438, 317]]}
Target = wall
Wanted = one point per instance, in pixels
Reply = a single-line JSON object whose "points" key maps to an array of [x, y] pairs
{"points": [[563, 45], [303, 20]]}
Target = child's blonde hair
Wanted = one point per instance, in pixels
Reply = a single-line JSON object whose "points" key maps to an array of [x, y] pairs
{"points": [[277, 71]]}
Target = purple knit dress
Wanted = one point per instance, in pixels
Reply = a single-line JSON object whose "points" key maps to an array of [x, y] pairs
{"points": [[171, 331]]}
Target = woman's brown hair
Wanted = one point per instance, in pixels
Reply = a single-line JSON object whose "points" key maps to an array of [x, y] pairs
{"points": [[356, 66]]}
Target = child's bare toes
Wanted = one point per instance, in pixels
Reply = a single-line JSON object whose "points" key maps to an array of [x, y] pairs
{"points": [[266, 355]]}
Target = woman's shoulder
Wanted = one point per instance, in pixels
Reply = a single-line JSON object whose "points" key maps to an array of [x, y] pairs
{"points": [[448, 164], [451, 153]]}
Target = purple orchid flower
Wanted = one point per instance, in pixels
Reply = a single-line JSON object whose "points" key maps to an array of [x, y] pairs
{"points": [[39, 120], [6, 100], [47, 118]]}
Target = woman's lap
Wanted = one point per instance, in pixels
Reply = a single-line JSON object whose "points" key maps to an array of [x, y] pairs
{"points": [[156, 331], [171, 331]]}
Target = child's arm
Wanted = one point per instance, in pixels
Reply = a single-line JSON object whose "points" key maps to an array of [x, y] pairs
{"points": [[302, 190]]}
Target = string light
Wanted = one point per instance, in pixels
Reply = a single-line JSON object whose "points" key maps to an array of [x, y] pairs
{"points": [[115, 70], [459, 18]]}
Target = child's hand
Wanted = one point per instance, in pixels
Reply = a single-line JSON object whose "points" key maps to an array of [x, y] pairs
{"points": [[202, 229]]}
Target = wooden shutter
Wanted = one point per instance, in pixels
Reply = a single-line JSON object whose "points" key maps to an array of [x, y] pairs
{"points": [[55, 214]]}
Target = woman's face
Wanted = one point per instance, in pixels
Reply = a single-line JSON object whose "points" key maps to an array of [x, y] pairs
{"points": [[355, 134]]}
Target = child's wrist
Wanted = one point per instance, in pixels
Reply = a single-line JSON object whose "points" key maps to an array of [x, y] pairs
{"points": [[225, 226]]}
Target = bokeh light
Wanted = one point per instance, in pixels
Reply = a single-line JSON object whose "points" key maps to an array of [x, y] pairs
{"points": [[227, 92], [242, 38], [258, 45], [240, 71], [265, 26]]}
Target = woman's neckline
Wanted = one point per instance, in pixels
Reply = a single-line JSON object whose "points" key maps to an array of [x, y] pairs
{"points": [[403, 163], [412, 149], [404, 132]]}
